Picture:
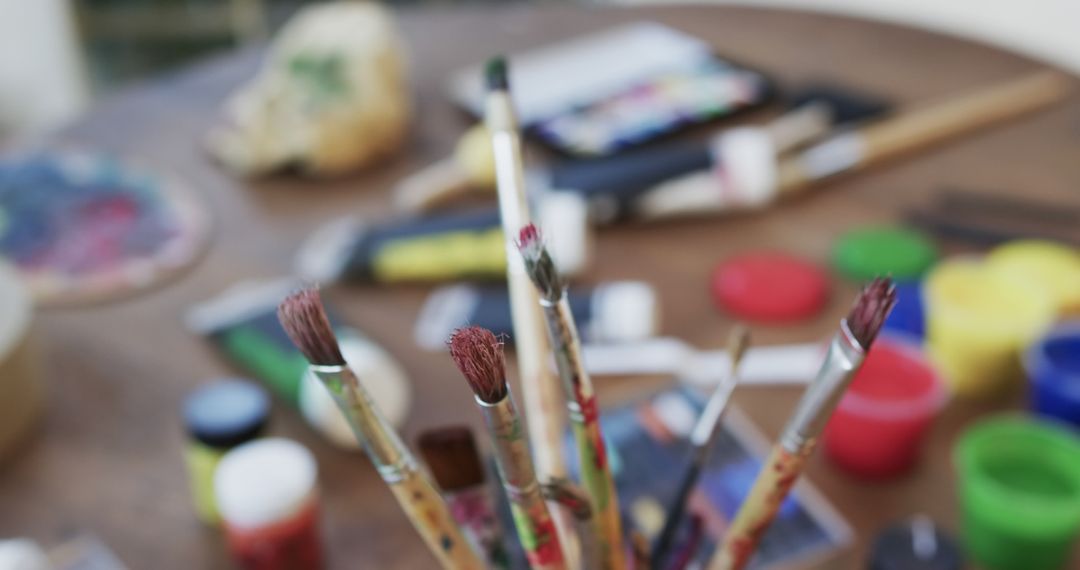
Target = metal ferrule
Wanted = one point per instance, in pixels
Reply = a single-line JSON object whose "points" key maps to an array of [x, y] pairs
{"points": [[380, 441], [512, 454], [821, 397], [564, 343]]}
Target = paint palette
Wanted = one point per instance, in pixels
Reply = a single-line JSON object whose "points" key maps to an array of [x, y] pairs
{"points": [[84, 228]]}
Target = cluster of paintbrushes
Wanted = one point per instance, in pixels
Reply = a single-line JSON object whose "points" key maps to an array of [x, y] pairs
{"points": [[585, 529]]}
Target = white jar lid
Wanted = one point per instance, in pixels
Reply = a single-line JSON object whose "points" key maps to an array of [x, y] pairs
{"points": [[263, 482]]}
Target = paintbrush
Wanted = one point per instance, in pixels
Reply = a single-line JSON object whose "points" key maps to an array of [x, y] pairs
{"points": [[479, 357], [454, 461], [540, 392], [304, 319], [583, 411], [685, 553], [702, 439], [799, 438], [574, 500]]}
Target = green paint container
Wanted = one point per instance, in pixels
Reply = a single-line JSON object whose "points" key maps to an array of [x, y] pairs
{"points": [[1019, 485]]}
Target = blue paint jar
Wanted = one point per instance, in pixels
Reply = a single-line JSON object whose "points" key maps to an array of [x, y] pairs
{"points": [[1052, 364], [907, 315]]}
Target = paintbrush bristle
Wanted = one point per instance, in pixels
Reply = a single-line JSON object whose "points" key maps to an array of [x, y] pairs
{"points": [[452, 457], [871, 308], [538, 263], [478, 354], [496, 75], [303, 318]]}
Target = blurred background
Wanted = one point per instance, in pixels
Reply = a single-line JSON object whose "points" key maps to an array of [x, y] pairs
{"points": [[84, 48]]}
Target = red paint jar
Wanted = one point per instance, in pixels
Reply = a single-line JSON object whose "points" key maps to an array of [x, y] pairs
{"points": [[878, 428], [268, 498]]}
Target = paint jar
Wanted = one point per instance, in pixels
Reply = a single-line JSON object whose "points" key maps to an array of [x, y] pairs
{"points": [[1050, 266], [218, 417], [268, 498], [916, 544], [977, 322], [1019, 484], [1052, 364], [878, 428]]}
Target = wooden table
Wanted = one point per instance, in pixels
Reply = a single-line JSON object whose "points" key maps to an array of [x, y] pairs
{"points": [[107, 458]]}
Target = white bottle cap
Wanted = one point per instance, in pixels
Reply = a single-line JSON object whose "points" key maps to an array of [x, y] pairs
{"points": [[22, 554], [379, 373], [264, 482], [563, 217], [623, 311]]}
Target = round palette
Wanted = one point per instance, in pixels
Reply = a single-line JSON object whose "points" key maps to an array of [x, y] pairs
{"points": [[84, 228]]}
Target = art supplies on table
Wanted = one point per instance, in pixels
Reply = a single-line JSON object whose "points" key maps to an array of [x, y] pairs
{"points": [[797, 442], [988, 219], [649, 437], [864, 253], [242, 324], [613, 185], [267, 492], [702, 440], [618, 88], [84, 227], [452, 456], [668, 356], [582, 408], [304, 319], [877, 431], [440, 247], [21, 380], [219, 416], [1019, 488], [608, 312], [332, 96], [977, 322], [479, 357], [1050, 266], [767, 286], [1052, 365], [915, 544], [544, 411], [469, 170], [758, 178]]}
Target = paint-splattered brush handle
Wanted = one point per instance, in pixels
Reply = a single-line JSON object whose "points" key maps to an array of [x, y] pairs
{"points": [[773, 483], [431, 517], [585, 419]]}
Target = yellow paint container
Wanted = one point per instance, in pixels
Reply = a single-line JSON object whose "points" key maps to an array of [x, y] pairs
{"points": [[1050, 266], [978, 321]]}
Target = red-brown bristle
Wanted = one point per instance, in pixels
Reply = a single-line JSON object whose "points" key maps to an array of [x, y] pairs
{"points": [[478, 354], [304, 320], [870, 310]]}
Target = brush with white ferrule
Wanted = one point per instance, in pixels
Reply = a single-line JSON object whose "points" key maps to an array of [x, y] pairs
{"points": [[304, 319], [789, 455], [580, 396], [479, 357], [702, 439], [544, 412]]}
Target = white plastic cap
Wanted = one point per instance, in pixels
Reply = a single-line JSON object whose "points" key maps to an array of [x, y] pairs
{"points": [[563, 217], [748, 157], [22, 554], [379, 373], [623, 311], [263, 482]]}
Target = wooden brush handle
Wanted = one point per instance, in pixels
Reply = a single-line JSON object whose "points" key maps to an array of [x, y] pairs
{"points": [[430, 515], [758, 510], [919, 128]]}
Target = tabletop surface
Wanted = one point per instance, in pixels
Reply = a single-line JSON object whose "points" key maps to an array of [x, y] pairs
{"points": [[108, 455]]}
